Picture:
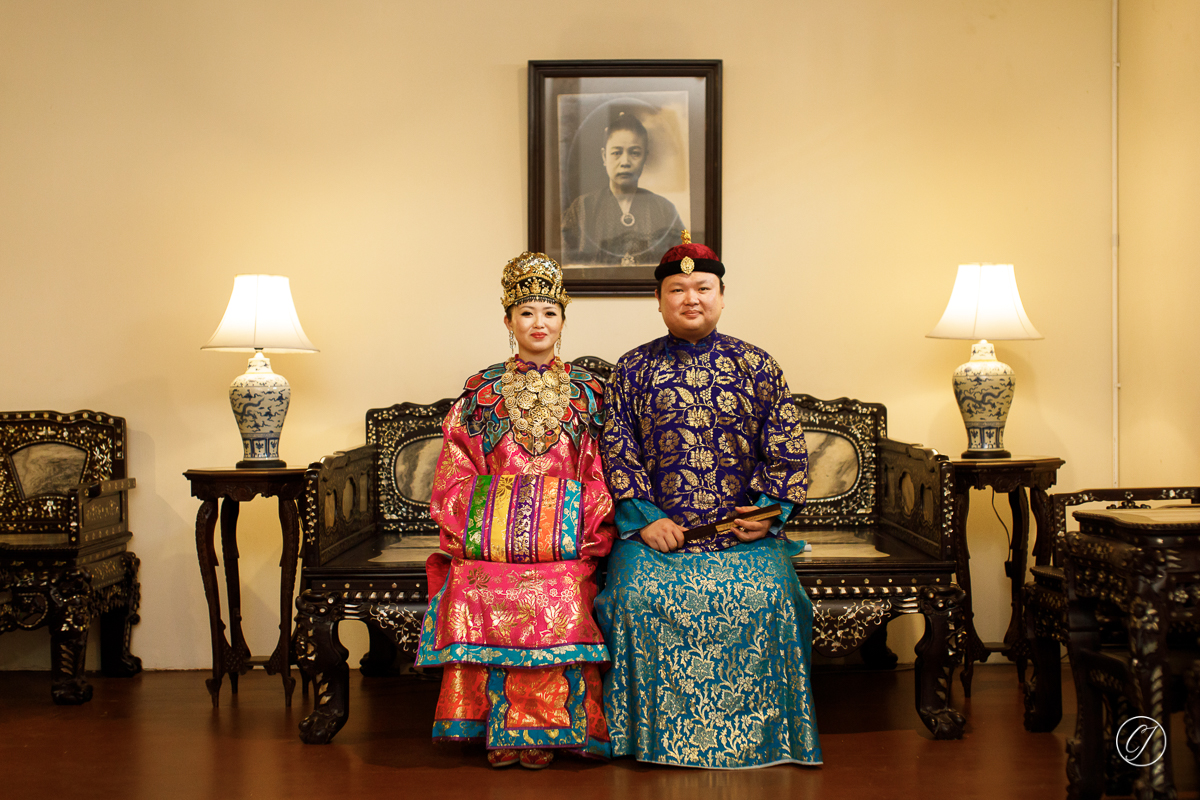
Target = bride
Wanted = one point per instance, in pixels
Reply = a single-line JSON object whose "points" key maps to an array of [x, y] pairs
{"points": [[524, 513]]}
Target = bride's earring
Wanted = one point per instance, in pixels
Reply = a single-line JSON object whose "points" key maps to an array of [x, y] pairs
{"points": [[558, 346], [512, 342]]}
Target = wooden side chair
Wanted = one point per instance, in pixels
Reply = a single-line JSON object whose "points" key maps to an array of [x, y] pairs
{"points": [[64, 511], [1045, 599]]}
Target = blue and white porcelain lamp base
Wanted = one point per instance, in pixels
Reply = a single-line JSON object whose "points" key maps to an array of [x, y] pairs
{"points": [[260, 401], [984, 389]]}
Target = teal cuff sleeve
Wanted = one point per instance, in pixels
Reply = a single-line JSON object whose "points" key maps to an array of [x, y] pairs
{"points": [[785, 511], [633, 515]]}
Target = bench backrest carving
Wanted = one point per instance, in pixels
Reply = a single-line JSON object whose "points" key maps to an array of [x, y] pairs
{"points": [[409, 438], [842, 437], [339, 505]]}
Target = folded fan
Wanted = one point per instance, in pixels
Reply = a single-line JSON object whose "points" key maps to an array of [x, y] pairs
{"points": [[725, 525]]}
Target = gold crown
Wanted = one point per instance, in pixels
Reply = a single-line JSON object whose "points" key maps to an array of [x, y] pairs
{"points": [[532, 276]]}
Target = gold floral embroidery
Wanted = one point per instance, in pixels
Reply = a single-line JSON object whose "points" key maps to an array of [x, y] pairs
{"points": [[698, 429], [478, 579], [729, 685]]}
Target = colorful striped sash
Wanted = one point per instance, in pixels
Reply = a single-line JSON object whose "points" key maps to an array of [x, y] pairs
{"points": [[522, 519]]}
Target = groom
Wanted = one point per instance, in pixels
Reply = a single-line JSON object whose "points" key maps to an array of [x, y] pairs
{"points": [[710, 638]]}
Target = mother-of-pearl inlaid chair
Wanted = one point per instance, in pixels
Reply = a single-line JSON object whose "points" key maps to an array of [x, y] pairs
{"points": [[878, 517], [64, 525]]}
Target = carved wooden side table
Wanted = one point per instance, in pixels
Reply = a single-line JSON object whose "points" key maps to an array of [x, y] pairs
{"points": [[1011, 476], [234, 486], [1139, 568]]}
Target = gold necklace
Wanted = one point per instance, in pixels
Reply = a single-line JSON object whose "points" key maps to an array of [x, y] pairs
{"points": [[536, 403]]}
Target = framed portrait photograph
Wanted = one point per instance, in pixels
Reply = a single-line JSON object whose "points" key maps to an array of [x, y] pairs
{"points": [[623, 156]]}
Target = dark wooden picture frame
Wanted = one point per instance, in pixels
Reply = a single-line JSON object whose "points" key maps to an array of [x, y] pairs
{"points": [[604, 248]]}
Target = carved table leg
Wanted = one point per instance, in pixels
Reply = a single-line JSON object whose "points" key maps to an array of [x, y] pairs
{"points": [[206, 526], [1023, 642], [937, 656], [1085, 752], [1044, 525], [322, 660], [1014, 568], [1042, 706], [69, 619], [238, 652], [1119, 773], [1148, 635], [116, 625], [280, 661], [973, 649]]}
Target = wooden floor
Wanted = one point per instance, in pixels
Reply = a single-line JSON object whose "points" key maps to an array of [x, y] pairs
{"points": [[157, 736]]}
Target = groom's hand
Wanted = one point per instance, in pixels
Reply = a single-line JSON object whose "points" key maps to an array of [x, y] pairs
{"points": [[750, 530], [663, 535]]}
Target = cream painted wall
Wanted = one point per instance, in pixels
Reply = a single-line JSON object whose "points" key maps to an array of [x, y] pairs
{"points": [[375, 153], [1160, 242]]}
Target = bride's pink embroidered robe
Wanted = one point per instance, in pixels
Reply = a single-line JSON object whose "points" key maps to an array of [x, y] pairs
{"points": [[513, 624]]}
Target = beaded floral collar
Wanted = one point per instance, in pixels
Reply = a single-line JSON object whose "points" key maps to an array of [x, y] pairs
{"points": [[535, 401], [538, 404]]}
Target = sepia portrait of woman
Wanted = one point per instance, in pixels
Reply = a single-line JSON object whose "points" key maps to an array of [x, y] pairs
{"points": [[621, 224]]}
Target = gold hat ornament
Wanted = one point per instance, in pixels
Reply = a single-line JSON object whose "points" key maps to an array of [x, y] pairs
{"points": [[532, 276]]}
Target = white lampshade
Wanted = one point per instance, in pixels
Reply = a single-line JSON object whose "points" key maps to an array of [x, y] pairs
{"points": [[984, 304], [261, 316]]}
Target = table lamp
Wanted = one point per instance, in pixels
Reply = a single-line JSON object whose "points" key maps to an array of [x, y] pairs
{"points": [[260, 317], [984, 304]]}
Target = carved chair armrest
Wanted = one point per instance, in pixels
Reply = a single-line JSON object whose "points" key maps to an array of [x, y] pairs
{"points": [[339, 507], [916, 495], [100, 509]]}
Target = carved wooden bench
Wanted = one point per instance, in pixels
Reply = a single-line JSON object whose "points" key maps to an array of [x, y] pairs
{"points": [[878, 517]]}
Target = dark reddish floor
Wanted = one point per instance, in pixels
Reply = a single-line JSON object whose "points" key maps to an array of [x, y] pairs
{"points": [[157, 736]]}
